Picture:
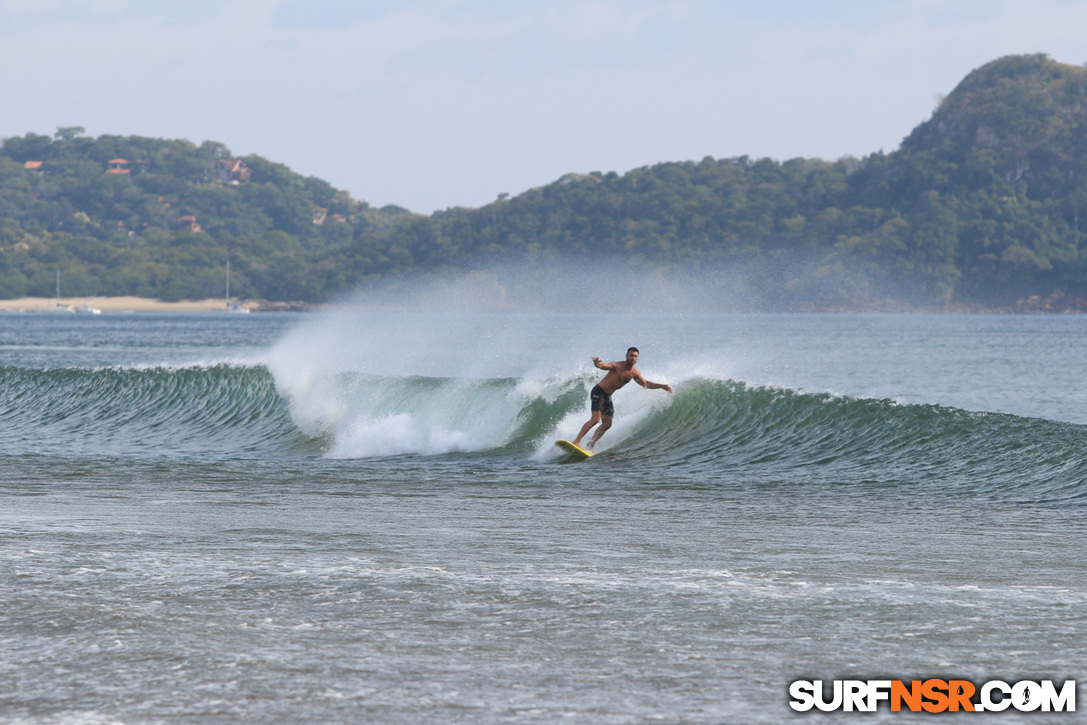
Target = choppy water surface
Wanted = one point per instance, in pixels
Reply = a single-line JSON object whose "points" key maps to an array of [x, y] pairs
{"points": [[359, 516]]}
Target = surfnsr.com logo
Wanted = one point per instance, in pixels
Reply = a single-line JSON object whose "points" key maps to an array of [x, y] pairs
{"points": [[934, 696]]}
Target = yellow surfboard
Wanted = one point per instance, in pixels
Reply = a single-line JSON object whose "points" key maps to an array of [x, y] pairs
{"points": [[577, 451]]}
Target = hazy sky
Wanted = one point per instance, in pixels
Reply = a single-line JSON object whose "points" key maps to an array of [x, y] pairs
{"points": [[436, 103]]}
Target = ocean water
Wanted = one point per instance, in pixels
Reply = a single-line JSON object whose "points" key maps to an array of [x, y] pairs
{"points": [[359, 516]]}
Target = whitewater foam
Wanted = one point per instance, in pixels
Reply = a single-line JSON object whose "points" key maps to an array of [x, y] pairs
{"points": [[386, 382], [381, 416]]}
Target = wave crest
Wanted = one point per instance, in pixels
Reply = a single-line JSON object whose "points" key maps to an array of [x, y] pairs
{"points": [[711, 431]]}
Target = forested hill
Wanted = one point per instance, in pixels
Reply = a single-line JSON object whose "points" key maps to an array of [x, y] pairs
{"points": [[155, 218], [980, 205]]}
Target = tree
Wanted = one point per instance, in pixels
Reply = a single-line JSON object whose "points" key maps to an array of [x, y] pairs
{"points": [[68, 133]]}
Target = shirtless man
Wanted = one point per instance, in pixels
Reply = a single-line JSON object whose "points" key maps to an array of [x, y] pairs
{"points": [[619, 374]]}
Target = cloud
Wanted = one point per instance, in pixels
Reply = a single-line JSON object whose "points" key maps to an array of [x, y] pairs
{"points": [[436, 103]]}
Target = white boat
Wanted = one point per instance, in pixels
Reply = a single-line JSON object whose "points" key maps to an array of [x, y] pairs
{"points": [[88, 308]]}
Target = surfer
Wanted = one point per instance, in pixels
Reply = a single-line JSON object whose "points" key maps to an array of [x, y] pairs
{"points": [[619, 374]]}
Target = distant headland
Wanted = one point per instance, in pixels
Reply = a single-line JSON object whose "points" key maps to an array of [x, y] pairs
{"points": [[983, 206]]}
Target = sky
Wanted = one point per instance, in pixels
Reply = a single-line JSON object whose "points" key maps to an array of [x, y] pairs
{"points": [[431, 104]]}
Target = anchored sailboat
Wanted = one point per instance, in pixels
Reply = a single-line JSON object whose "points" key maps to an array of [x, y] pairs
{"points": [[60, 307]]}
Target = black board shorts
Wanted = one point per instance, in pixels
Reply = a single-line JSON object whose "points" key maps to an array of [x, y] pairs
{"points": [[599, 400]]}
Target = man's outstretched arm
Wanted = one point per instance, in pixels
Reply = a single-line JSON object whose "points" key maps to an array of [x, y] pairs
{"points": [[648, 385]]}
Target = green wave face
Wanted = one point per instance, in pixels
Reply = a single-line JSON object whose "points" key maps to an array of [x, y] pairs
{"points": [[220, 410], [725, 428], [710, 431]]}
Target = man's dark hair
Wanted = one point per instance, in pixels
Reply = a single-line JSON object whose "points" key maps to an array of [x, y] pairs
{"points": [[634, 349]]}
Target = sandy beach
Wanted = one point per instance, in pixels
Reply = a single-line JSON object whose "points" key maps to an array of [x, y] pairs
{"points": [[112, 304]]}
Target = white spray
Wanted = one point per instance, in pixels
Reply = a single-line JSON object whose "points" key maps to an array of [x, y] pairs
{"points": [[437, 365]]}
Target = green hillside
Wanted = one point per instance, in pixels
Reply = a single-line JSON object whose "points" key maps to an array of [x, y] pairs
{"points": [[980, 205], [155, 218]]}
